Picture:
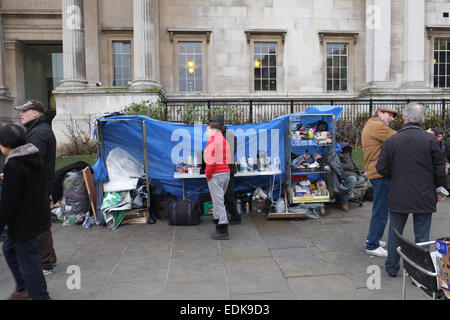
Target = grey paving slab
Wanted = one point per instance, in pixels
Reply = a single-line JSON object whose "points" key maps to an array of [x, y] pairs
{"points": [[263, 260], [215, 289], [298, 262], [326, 287], [254, 276], [192, 268]]}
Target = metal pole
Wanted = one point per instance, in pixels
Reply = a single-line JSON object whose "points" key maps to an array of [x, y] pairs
{"points": [[147, 184]]}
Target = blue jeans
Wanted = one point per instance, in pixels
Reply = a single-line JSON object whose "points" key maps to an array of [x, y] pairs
{"points": [[422, 226], [24, 261], [380, 212], [351, 182]]}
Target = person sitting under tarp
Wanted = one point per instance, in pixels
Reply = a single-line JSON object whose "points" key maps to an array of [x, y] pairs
{"points": [[352, 174]]}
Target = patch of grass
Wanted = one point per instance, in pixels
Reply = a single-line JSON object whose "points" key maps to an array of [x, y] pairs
{"points": [[359, 158], [66, 160]]}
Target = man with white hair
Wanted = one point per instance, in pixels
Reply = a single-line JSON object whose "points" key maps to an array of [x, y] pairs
{"points": [[416, 166]]}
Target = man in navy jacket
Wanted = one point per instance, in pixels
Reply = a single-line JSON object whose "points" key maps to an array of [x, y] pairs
{"points": [[414, 162]]}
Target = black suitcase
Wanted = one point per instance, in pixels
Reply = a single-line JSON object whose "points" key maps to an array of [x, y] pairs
{"points": [[184, 213]]}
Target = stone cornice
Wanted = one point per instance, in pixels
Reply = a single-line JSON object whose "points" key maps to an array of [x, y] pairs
{"points": [[336, 33], [436, 29], [27, 13], [189, 31], [265, 32]]}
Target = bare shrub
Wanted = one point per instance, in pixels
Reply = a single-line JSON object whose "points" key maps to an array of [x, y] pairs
{"points": [[79, 142]]}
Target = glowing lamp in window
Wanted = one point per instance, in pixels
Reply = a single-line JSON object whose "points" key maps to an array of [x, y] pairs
{"points": [[191, 66], [257, 63]]}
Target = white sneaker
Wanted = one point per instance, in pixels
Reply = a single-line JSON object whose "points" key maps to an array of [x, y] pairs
{"points": [[382, 243], [379, 252], [47, 272]]}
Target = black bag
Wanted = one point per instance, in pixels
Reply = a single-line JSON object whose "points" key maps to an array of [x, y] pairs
{"points": [[184, 213], [369, 194], [160, 204]]}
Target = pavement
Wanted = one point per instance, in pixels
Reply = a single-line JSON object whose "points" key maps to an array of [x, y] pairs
{"points": [[309, 259]]}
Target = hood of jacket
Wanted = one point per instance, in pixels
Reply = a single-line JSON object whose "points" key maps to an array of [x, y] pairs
{"points": [[27, 154]]}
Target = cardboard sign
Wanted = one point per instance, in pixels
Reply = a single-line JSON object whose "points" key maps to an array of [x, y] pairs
{"points": [[89, 181], [443, 263]]}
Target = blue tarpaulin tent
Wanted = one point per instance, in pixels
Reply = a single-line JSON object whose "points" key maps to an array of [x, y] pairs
{"points": [[166, 142]]}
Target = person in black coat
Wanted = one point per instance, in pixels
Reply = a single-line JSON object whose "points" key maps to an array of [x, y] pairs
{"points": [[25, 209], [414, 162], [40, 134]]}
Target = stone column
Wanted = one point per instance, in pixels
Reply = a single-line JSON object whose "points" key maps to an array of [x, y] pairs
{"points": [[378, 42], [414, 43], [144, 44], [3, 88], [73, 44], [92, 41]]}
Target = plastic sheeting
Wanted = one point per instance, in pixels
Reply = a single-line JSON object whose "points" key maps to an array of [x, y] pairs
{"points": [[167, 142]]}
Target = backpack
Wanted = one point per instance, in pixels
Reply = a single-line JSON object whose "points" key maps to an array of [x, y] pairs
{"points": [[184, 213]]}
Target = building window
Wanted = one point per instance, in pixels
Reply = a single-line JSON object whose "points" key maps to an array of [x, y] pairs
{"points": [[122, 63], [265, 66], [337, 66], [190, 66], [442, 63]]}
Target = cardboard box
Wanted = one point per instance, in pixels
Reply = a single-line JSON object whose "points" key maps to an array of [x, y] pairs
{"points": [[443, 263]]}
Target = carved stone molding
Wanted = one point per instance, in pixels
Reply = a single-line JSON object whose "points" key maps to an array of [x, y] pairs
{"points": [[189, 31], [334, 34], [265, 32]]}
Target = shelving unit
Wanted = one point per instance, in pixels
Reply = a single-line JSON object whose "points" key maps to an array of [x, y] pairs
{"points": [[297, 147]]}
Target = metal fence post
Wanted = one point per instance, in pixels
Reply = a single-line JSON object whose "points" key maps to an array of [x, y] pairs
{"points": [[250, 118], [292, 106], [370, 107]]}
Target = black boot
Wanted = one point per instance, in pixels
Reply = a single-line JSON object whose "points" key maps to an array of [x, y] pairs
{"points": [[221, 232]]}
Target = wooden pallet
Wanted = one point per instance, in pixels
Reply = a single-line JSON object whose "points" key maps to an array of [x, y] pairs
{"points": [[284, 215]]}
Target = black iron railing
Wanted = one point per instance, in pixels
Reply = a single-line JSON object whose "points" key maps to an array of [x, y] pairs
{"points": [[258, 110]]}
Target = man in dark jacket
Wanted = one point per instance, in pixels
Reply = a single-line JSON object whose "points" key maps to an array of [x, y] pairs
{"points": [[351, 173], [416, 166], [24, 208], [230, 200], [40, 134]]}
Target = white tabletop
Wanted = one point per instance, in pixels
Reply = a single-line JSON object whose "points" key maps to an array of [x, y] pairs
{"points": [[178, 175]]}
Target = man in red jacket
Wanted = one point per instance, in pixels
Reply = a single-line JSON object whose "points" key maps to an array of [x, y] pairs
{"points": [[217, 159]]}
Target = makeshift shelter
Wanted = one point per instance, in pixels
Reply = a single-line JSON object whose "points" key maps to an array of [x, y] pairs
{"points": [[159, 145]]}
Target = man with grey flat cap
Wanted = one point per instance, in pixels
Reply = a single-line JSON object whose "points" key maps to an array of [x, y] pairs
{"points": [[39, 132], [374, 133]]}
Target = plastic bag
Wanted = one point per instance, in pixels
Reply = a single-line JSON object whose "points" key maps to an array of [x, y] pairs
{"points": [[124, 171], [121, 164], [100, 172], [75, 197]]}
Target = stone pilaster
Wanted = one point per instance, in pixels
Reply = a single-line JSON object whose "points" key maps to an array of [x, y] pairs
{"points": [[144, 44], [414, 44], [73, 44], [3, 88], [378, 43]]}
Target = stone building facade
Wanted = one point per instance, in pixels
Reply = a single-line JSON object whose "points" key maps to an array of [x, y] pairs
{"points": [[84, 57]]}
